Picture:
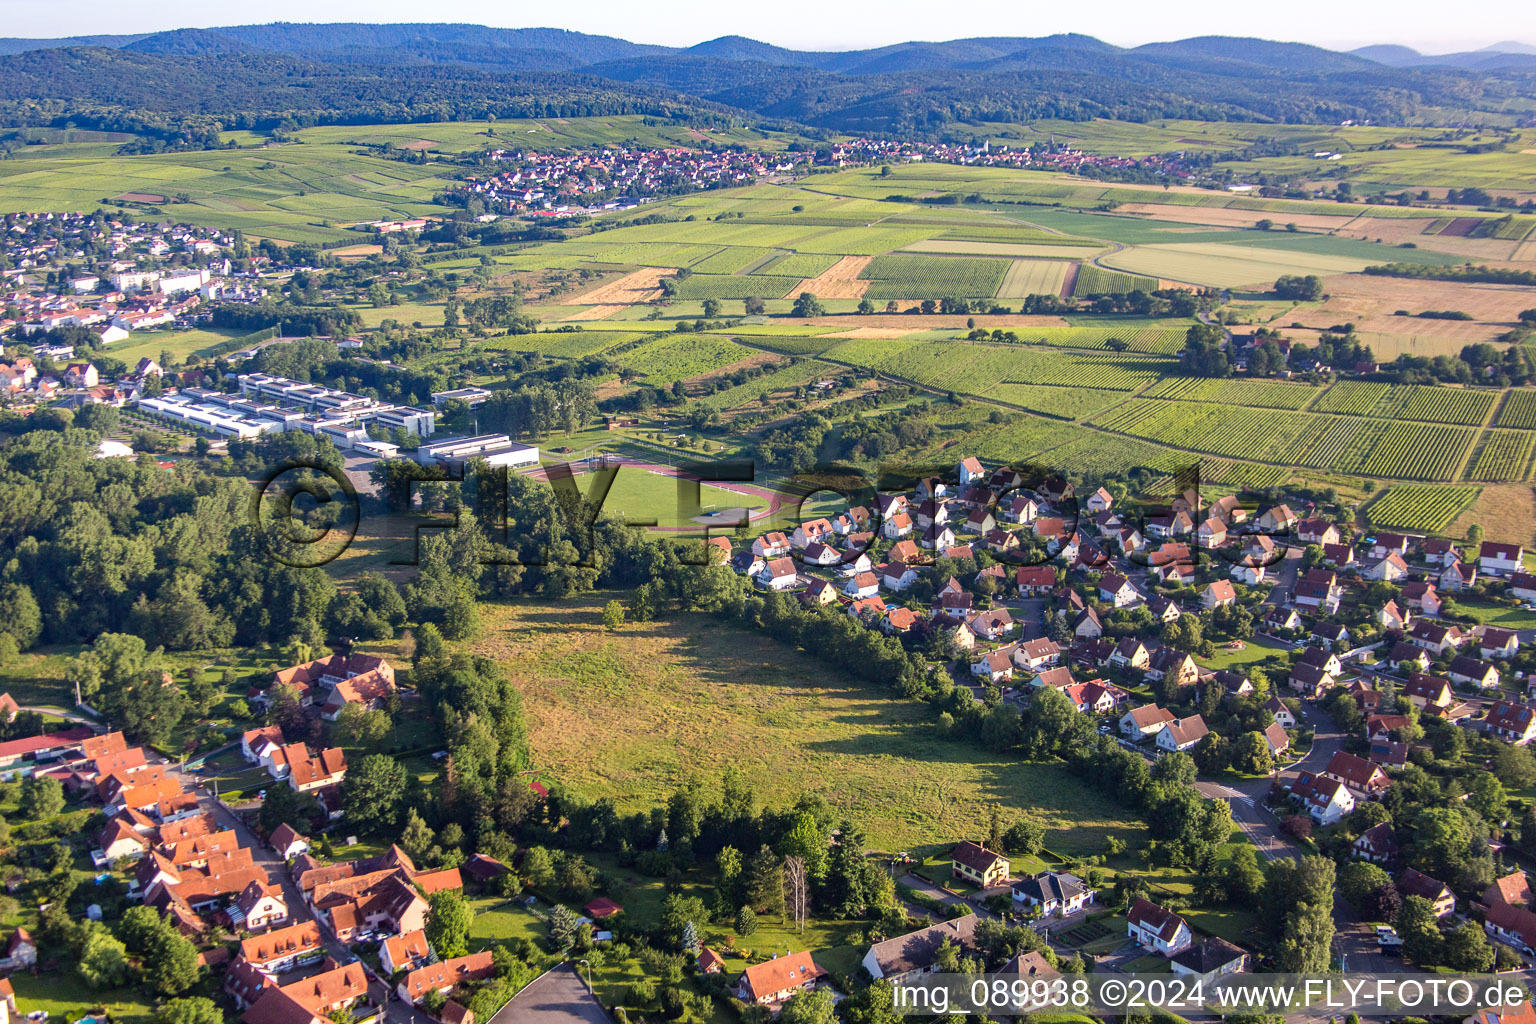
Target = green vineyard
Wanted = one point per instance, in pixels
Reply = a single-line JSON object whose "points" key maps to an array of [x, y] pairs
{"points": [[1262, 393], [1425, 509], [1502, 456], [1092, 280]]}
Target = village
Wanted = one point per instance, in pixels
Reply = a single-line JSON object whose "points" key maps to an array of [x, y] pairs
{"points": [[1111, 608]]}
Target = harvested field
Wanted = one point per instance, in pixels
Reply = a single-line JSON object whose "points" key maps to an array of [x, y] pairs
{"points": [[1225, 265], [1400, 231], [1507, 512], [1461, 227], [1220, 216], [1035, 277], [642, 285], [357, 251], [594, 313], [1360, 298], [840, 281]]}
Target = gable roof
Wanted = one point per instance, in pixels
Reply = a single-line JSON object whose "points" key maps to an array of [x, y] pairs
{"points": [[1160, 921], [917, 950], [785, 972]]}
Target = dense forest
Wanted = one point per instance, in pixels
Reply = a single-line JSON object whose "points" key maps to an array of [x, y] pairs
{"points": [[183, 86]]}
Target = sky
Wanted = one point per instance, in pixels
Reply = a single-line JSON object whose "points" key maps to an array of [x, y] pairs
{"points": [[1429, 26]]}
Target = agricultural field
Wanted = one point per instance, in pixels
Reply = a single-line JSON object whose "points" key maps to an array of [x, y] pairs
{"points": [[976, 369], [1426, 509], [566, 344], [680, 357], [1034, 277], [1519, 409], [734, 286], [1502, 455], [1056, 402], [785, 379], [1436, 404], [901, 276], [1272, 436], [1095, 280], [693, 697], [1217, 265], [1262, 393]]}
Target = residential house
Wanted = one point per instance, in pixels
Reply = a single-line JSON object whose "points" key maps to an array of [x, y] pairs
{"points": [[1440, 552], [1276, 739], [978, 865], [1364, 780], [1182, 733], [1472, 672], [1439, 895], [1457, 576], [779, 574], [286, 949], [815, 531], [1427, 691], [327, 768], [1130, 653], [1325, 799], [1422, 597], [1037, 654], [770, 546], [1331, 635], [444, 976], [916, 953], [315, 998], [1513, 889], [1513, 926], [865, 584], [1034, 579], [1316, 595], [287, 842], [991, 625], [1100, 501], [1496, 642], [1157, 929], [1212, 533], [1317, 531], [1393, 617], [1166, 662], [1310, 680], [1145, 721], [1277, 519], [1522, 586], [1496, 559], [1211, 959], [1056, 894], [1216, 594], [1389, 569], [898, 576], [1408, 656], [1117, 590], [1511, 722], [969, 472], [1436, 639], [994, 666], [1388, 544], [1339, 555], [404, 952], [897, 527], [1377, 844], [1090, 698]]}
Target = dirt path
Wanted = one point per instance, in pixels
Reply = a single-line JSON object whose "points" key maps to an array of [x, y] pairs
{"points": [[839, 281]]}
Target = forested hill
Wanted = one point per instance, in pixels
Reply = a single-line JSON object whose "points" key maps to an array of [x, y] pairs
{"points": [[259, 75], [131, 91]]}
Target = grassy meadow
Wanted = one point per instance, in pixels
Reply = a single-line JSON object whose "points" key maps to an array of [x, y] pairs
{"points": [[635, 713]]}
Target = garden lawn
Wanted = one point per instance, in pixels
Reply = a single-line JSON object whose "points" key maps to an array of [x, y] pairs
{"points": [[633, 714], [66, 998]]}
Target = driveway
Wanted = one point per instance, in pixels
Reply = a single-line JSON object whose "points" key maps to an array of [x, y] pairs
{"points": [[559, 996]]}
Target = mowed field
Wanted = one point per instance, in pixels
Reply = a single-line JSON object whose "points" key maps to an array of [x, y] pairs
{"points": [[634, 714], [1227, 266]]}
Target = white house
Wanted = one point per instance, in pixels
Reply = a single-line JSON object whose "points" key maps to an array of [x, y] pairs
{"points": [[1500, 559], [1147, 720], [1157, 929], [1182, 733]]}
